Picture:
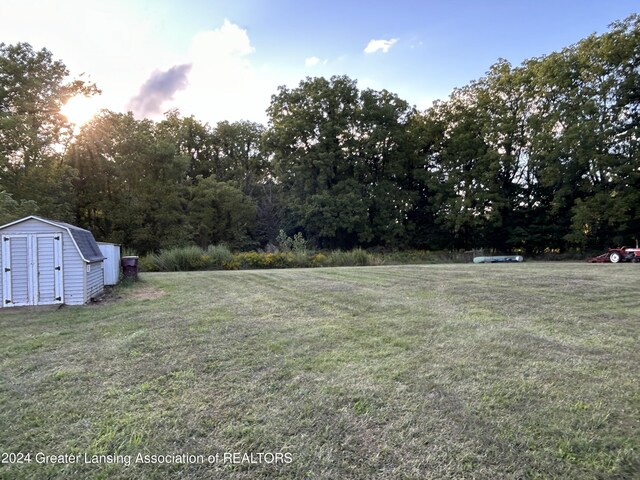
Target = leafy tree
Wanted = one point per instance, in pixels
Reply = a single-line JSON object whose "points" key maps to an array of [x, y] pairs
{"points": [[231, 153], [585, 139], [425, 179], [311, 136], [542, 155], [383, 158], [220, 213], [11, 209], [130, 184], [270, 211], [239, 156], [339, 156], [194, 140], [469, 206], [33, 132]]}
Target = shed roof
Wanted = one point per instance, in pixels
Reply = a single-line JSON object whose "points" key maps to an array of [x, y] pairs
{"points": [[83, 239]]}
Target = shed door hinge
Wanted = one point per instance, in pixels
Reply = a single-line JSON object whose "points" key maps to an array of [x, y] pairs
{"points": [[58, 298], [57, 238], [7, 269], [57, 268], [7, 301]]}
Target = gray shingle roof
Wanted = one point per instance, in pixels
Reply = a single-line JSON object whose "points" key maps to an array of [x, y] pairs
{"points": [[85, 241]]}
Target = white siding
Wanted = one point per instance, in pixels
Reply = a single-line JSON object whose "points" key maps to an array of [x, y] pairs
{"points": [[31, 226], [95, 280], [111, 263], [73, 272]]}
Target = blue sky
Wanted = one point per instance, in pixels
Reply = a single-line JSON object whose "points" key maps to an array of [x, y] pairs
{"points": [[231, 55]]}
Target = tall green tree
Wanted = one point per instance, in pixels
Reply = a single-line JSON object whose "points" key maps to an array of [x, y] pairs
{"points": [[384, 158], [33, 132], [339, 155], [585, 142], [11, 209], [239, 154], [219, 212], [311, 137], [469, 203], [544, 155], [193, 140], [130, 185]]}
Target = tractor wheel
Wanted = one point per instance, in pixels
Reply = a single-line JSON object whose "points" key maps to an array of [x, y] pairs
{"points": [[614, 257]]}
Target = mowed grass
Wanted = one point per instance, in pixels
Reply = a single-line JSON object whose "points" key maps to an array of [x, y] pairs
{"points": [[439, 371]]}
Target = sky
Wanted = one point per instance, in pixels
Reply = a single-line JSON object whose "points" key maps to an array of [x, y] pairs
{"points": [[224, 59]]}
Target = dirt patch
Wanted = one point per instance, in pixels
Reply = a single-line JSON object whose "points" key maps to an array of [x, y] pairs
{"points": [[146, 292], [139, 291]]}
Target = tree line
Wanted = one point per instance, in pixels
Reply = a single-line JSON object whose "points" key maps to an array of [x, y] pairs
{"points": [[539, 156]]}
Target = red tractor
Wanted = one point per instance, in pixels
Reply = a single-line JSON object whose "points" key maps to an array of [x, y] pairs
{"points": [[617, 255]]}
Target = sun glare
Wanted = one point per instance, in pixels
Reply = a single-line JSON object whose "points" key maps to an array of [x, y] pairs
{"points": [[80, 109]]}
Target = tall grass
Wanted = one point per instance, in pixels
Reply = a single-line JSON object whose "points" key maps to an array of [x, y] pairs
{"points": [[219, 257], [188, 258], [356, 257], [176, 260]]}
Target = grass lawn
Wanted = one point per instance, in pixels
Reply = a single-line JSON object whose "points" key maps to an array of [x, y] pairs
{"points": [[442, 371]]}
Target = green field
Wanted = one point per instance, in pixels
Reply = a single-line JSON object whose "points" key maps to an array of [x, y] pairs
{"points": [[441, 371]]}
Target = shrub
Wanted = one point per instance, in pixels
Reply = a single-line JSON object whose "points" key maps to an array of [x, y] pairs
{"points": [[250, 260], [220, 257], [148, 263], [355, 257], [285, 243], [319, 260], [301, 259], [217, 256], [232, 264], [297, 244], [176, 259]]}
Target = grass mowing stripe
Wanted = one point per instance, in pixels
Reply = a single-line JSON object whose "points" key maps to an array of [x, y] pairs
{"points": [[439, 371]]}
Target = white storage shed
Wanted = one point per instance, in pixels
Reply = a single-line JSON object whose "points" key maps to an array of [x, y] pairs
{"points": [[46, 262], [111, 265]]}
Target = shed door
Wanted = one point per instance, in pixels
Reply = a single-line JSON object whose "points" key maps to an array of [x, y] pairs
{"points": [[15, 271], [31, 270], [48, 269]]}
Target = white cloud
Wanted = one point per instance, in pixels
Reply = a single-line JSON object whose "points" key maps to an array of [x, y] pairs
{"points": [[223, 83], [380, 45], [227, 41], [311, 61]]}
